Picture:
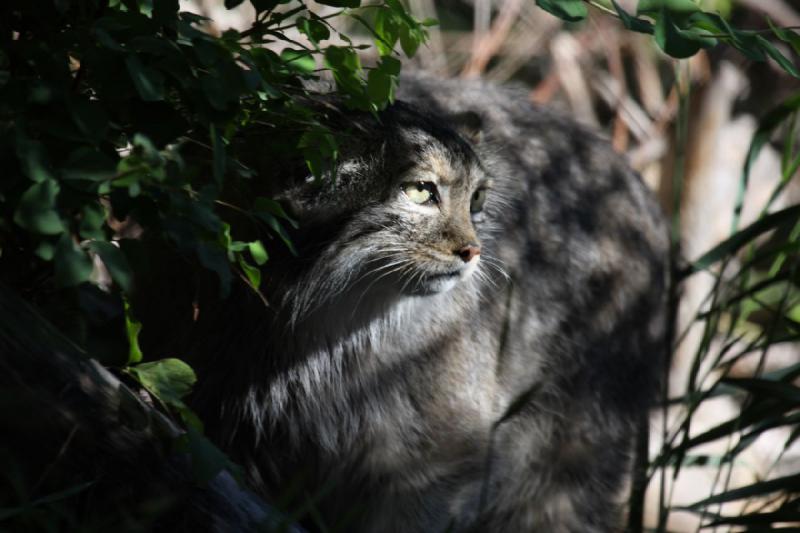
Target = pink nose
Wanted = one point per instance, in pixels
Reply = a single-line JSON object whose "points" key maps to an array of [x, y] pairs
{"points": [[468, 252]]}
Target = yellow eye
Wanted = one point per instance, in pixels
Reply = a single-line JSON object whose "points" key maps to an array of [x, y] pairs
{"points": [[420, 192], [476, 203]]}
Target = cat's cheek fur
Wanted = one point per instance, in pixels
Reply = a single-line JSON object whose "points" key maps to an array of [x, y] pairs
{"points": [[471, 267]]}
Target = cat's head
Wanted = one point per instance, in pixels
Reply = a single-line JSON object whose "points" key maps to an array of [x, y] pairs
{"points": [[407, 210]]}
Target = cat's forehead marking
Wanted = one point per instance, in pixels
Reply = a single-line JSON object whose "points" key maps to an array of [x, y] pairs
{"points": [[441, 165], [449, 168], [441, 153]]}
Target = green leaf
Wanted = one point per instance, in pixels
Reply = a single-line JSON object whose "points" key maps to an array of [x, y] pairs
{"points": [[89, 163], [341, 3], [569, 10], [207, 460], [269, 205], [218, 153], [786, 35], [762, 518], [132, 328], [258, 252], [10, 512], [37, 212], [213, 258], [116, 263], [380, 87], [90, 118], [743, 41], [93, 218], [266, 5], [169, 380], [387, 31], [676, 42], [72, 264], [632, 23], [653, 7], [786, 392], [230, 4], [299, 60], [346, 69], [315, 30], [253, 273], [106, 40], [735, 242], [319, 150], [382, 81], [410, 40], [209, 52], [149, 82], [756, 489], [342, 59], [278, 229], [45, 250], [166, 11], [778, 57], [766, 125], [33, 157], [145, 148]]}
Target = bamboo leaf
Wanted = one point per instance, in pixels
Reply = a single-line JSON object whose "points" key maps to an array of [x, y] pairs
{"points": [[569, 10], [756, 489], [731, 245]]}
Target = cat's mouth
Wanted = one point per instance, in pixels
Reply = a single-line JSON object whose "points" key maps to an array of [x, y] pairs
{"points": [[436, 282], [444, 275]]}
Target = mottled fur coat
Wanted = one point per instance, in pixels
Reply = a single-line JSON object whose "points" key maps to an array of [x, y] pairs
{"points": [[470, 333]]}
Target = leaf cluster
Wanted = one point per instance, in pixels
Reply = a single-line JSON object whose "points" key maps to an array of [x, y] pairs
{"points": [[681, 28], [123, 116], [753, 306]]}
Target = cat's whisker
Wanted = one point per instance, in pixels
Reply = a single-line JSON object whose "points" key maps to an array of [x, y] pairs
{"points": [[368, 272], [481, 275], [401, 267], [494, 263], [411, 274]]}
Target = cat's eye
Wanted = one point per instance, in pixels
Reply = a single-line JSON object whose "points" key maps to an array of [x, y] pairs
{"points": [[421, 192], [477, 200]]}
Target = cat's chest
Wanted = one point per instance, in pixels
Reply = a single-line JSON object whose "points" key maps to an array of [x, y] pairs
{"points": [[414, 392], [434, 408]]}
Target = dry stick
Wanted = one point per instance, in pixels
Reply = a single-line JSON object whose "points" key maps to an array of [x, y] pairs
{"points": [[647, 76], [682, 86], [774, 9], [526, 40], [488, 43], [432, 56], [482, 19], [567, 52], [547, 88], [621, 132]]}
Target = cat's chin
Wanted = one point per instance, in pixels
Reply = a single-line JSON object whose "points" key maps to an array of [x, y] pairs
{"points": [[436, 283]]}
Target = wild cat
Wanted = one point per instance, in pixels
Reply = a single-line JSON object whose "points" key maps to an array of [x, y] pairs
{"points": [[468, 335]]}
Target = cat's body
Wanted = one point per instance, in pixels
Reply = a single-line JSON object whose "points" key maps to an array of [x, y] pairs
{"points": [[424, 367]]}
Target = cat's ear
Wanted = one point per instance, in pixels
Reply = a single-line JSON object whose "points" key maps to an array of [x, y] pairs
{"points": [[469, 125]]}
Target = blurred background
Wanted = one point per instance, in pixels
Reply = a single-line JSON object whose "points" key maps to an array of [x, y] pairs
{"points": [[620, 83]]}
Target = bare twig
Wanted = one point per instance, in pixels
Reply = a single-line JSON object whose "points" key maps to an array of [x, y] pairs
{"points": [[487, 44]]}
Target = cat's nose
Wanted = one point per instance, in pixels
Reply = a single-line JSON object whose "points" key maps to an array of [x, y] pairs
{"points": [[468, 252]]}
